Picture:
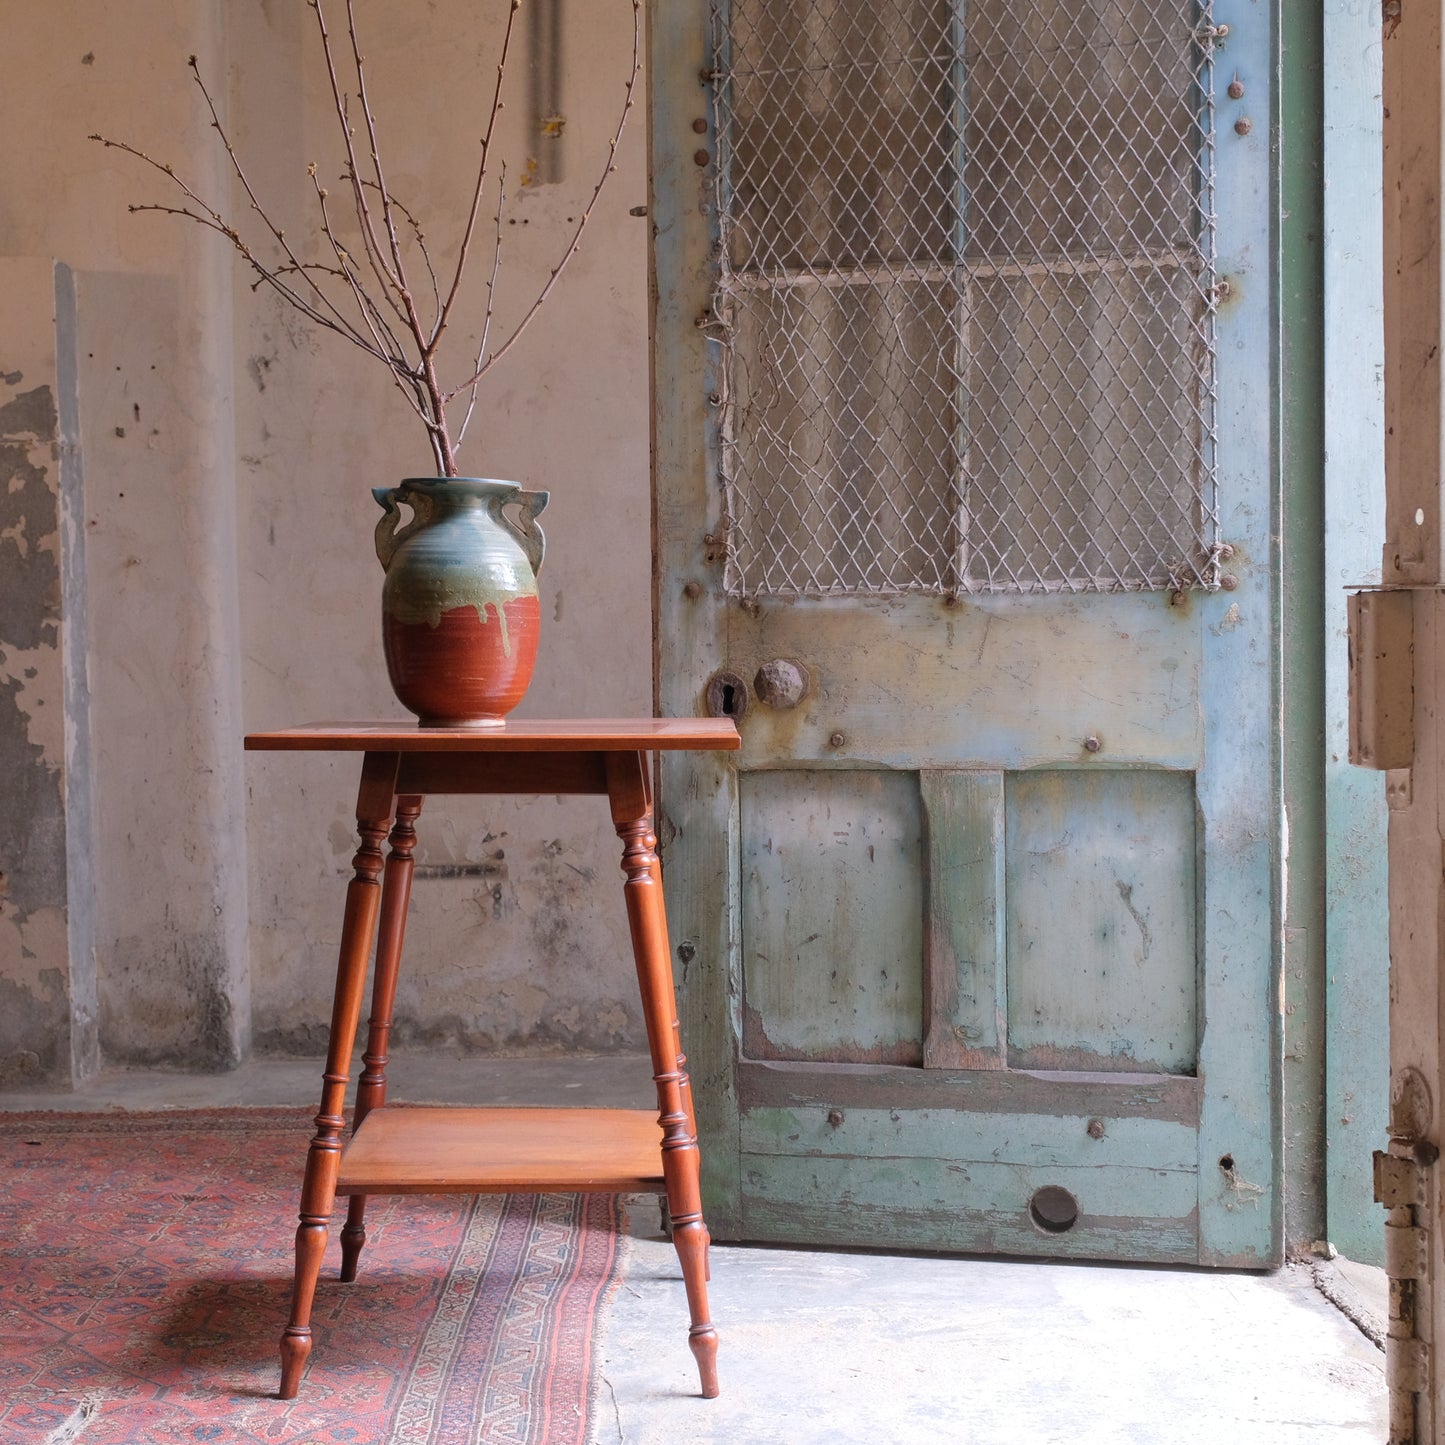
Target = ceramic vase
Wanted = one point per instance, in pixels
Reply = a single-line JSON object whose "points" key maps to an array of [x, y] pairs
{"points": [[460, 615]]}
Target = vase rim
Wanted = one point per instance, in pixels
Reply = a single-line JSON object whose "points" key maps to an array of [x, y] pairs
{"points": [[460, 481]]}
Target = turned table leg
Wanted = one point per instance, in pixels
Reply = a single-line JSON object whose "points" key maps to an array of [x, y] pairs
{"points": [[371, 1086], [318, 1190], [630, 796]]}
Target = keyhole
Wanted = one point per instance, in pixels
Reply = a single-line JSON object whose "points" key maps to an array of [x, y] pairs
{"points": [[727, 695]]}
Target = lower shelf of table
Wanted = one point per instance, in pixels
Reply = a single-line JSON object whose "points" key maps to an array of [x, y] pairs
{"points": [[409, 1150]]}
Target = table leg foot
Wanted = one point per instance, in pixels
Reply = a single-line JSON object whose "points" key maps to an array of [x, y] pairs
{"points": [[296, 1340], [353, 1237], [691, 1242], [295, 1347], [703, 1344]]}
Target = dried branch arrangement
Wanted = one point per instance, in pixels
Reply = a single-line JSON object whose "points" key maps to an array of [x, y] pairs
{"points": [[374, 299]]}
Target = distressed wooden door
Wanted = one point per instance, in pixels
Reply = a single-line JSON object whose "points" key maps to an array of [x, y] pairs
{"points": [[963, 480]]}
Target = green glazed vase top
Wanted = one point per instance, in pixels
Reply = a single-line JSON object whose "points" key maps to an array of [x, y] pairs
{"points": [[461, 548]]}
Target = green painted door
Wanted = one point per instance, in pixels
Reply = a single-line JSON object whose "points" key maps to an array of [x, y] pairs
{"points": [[963, 475]]}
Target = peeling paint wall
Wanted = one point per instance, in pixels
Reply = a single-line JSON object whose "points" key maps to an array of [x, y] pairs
{"points": [[229, 453], [153, 345]]}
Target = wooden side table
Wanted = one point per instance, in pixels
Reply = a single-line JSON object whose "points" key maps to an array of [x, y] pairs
{"points": [[476, 1151]]}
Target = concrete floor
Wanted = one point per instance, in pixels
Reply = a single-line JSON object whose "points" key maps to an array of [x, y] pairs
{"points": [[889, 1349]]}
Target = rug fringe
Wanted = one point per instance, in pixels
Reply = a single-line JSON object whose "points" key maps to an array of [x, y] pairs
{"points": [[76, 1423]]}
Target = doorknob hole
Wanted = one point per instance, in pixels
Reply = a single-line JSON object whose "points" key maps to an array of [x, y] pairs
{"points": [[1053, 1209]]}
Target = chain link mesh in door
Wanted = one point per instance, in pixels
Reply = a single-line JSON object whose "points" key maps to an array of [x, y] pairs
{"points": [[966, 295]]}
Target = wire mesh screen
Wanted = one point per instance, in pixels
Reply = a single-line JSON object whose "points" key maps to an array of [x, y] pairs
{"points": [[966, 295]]}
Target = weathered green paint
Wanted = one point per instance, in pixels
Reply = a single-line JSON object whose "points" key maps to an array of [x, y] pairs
{"points": [[1001, 682], [698, 817], [964, 949], [1103, 969], [980, 1208], [1237, 790], [1356, 915], [832, 916], [1299, 446], [1171, 1098], [48, 1008], [964, 1135], [981, 687]]}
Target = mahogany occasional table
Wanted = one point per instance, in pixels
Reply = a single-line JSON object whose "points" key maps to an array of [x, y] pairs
{"points": [[493, 1151]]}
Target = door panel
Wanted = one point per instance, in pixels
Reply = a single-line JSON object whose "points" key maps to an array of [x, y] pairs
{"points": [[832, 917], [954, 1163], [1102, 964], [964, 964], [975, 938], [933, 1202], [990, 682]]}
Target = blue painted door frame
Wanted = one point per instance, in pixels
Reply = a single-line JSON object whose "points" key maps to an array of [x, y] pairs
{"points": [[1355, 921]]}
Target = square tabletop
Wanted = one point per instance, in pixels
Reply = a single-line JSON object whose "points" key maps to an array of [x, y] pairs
{"points": [[520, 735]]}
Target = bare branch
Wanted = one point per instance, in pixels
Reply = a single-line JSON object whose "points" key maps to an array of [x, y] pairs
{"points": [[270, 276], [416, 398], [491, 302], [373, 246], [322, 298], [476, 205], [421, 246], [582, 220], [371, 313], [388, 221], [426, 345]]}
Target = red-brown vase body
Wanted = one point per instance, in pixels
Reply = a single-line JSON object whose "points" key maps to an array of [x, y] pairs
{"points": [[464, 671]]}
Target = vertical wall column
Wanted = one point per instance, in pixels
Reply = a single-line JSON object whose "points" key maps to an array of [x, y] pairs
{"points": [[158, 393], [48, 994]]}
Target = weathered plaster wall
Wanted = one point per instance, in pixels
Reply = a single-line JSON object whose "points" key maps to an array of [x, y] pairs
{"points": [[230, 450]]}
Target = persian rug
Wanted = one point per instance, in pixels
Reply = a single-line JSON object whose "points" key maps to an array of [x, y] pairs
{"points": [[145, 1279]]}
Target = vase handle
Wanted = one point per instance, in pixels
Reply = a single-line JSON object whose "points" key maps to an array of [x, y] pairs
{"points": [[527, 532], [388, 539]]}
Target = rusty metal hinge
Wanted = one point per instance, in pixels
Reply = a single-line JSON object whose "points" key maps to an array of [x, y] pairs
{"points": [[1403, 1178], [1399, 1180], [1382, 679], [1407, 1364], [1407, 1251]]}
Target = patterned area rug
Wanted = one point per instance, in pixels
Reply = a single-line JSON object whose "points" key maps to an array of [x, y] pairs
{"points": [[145, 1276]]}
